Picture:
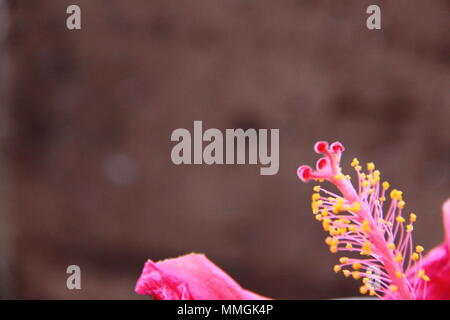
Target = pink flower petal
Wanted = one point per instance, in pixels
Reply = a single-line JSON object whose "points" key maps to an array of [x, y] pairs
{"points": [[190, 277], [437, 265]]}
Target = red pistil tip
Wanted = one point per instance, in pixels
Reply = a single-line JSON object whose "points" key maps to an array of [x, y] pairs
{"points": [[337, 147], [321, 146], [304, 173], [322, 163]]}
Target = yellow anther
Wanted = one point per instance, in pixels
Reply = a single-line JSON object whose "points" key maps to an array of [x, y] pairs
{"points": [[393, 288], [412, 217], [328, 240], [348, 246], [356, 275], [347, 176], [352, 228], [316, 204], [370, 166], [365, 184], [366, 225], [419, 249], [316, 189], [399, 274], [400, 219], [315, 196], [363, 289], [356, 207], [315, 210], [366, 248], [343, 260], [396, 194], [398, 257], [372, 292], [358, 168], [346, 273], [401, 204], [339, 206], [357, 266], [355, 162], [385, 185], [382, 199], [319, 217], [421, 273], [409, 228], [333, 249], [339, 176], [426, 278], [415, 256], [391, 246], [365, 280], [337, 268]]}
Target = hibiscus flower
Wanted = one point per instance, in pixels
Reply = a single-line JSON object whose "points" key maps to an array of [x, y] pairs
{"points": [[375, 232]]}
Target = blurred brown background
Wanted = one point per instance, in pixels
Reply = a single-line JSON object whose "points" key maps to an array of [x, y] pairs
{"points": [[86, 118]]}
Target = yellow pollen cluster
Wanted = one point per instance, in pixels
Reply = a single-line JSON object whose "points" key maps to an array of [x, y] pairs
{"points": [[356, 266], [366, 248], [398, 257], [339, 206], [400, 219], [421, 274], [356, 207], [366, 225], [339, 176], [396, 195]]}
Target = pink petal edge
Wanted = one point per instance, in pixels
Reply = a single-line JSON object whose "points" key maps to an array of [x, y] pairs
{"points": [[437, 265], [190, 277]]}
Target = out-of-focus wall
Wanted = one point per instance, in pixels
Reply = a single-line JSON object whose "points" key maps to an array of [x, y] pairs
{"points": [[92, 111], [5, 84]]}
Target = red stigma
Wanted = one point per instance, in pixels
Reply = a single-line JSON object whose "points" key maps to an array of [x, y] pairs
{"points": [[322, 163], [304, 173], [337, 147], [321, 146]]}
